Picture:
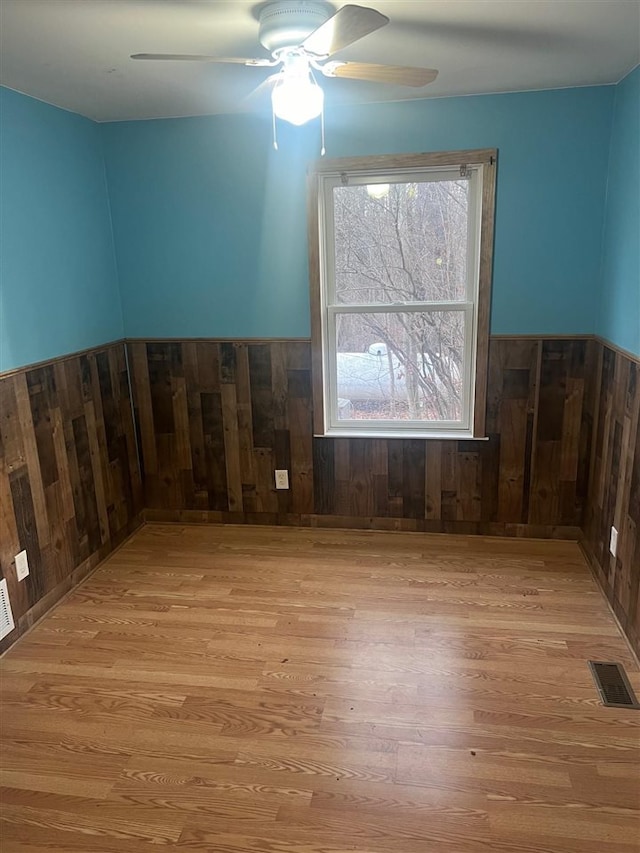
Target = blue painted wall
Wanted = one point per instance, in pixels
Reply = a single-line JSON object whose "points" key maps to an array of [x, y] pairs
{"points": [[58, 280], [210, 222], [619, 315]]}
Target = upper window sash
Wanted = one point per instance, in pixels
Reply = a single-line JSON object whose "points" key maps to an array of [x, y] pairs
{"points": [[330, 181]]}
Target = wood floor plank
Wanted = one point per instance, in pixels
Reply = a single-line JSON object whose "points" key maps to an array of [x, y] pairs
{"points": [[283, 690]]}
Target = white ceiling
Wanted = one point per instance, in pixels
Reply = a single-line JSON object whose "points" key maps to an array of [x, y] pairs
{"points": [[75, 53]]}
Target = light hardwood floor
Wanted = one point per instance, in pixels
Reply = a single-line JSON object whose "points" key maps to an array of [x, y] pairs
{"points": [[270, 690]]}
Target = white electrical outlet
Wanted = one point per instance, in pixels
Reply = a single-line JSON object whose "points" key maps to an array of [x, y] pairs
{"points": [[282, 479], [22, 565], [613, 542]]}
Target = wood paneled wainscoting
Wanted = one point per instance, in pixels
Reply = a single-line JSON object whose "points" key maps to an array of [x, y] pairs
{"points": [[614, 487], [70, 487], [216, 418]]}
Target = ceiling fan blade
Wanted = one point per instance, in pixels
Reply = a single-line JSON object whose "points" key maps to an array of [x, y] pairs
{"points": [[194, 57], [347, 25], [400, 75]]}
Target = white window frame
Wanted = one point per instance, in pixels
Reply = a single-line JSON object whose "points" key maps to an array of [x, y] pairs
{"points": [[479, 168]]}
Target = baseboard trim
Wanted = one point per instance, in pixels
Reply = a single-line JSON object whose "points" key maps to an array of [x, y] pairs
{"points": [[341, 522]]}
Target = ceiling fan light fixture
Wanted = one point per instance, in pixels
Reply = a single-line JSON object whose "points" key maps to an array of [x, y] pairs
{"points": [[296, 97], [301, 35]]}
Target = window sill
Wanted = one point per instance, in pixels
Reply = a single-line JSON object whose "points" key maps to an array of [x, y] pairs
{"points": [[462, 435]]}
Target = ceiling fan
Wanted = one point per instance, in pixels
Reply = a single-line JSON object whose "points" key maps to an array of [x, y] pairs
{"points": [[301, 36]]}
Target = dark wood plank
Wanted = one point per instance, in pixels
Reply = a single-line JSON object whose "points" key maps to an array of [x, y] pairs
{"points": [[324, 479], [413, 478], [213, 430], [162, 359], [43, 397], [302, 472], [228, 362], [245, 428], [262, 400], [362, 501], [25, 519]]}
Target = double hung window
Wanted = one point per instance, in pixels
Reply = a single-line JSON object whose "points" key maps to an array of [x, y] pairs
{"points": [[400, 257]]}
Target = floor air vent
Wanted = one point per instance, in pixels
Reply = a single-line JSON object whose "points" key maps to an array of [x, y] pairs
{"points": [[613, 685], [6, 616]]}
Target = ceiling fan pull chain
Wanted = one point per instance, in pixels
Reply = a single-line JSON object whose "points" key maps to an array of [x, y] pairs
{"points": [[322, 148], [275, 137]]}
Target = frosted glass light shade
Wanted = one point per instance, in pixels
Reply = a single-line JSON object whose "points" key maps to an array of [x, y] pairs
{"points": [[297, 99]]}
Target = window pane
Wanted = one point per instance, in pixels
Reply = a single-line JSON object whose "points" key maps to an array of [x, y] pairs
{"points": [[400, 366], [407, 245]]}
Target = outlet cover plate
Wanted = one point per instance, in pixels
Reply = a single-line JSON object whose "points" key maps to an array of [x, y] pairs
{"points": [[282, 478], [22, 565], [613, 542]]}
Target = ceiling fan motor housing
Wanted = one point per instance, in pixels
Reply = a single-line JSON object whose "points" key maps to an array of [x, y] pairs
{"points": [[287, 23]]}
